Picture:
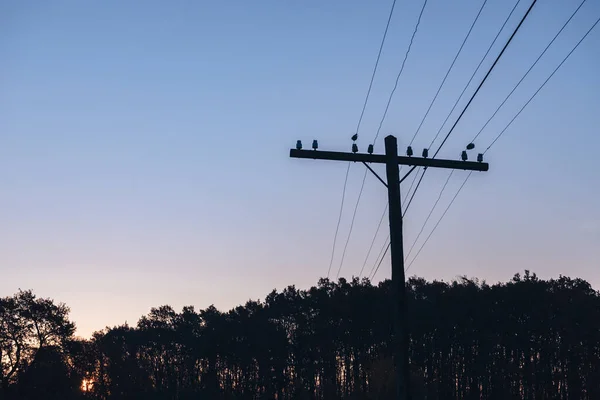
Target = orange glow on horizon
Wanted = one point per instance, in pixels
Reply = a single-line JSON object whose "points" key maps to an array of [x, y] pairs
{"points": [[86, 385]]}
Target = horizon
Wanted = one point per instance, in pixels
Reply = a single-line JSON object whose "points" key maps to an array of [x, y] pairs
{"points": [[144, 153], [262, 300], [333, 341]]}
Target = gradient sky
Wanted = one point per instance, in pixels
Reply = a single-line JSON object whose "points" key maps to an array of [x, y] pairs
{"points": [[144, 146]]}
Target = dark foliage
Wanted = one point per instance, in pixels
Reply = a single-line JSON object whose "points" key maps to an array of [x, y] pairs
{"points": [[525, 339]]}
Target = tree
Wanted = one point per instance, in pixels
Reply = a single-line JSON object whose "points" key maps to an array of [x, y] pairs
{"points": [[48, 377], [27, 325], [524, 339]]}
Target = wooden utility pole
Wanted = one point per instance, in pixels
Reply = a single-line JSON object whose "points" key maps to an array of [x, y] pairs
{"points": [[392, 160], [400, 339]]}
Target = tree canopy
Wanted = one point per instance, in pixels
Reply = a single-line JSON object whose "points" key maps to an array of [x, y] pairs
{"points": [[524, 339]]}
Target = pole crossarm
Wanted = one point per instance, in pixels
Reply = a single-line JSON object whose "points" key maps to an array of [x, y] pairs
{"points": [[381, 159]]}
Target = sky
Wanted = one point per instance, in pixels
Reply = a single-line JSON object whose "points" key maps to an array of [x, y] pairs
{"points": [[144, 147]]}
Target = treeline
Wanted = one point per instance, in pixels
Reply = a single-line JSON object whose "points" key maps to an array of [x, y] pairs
{"points": [[524, 339]]}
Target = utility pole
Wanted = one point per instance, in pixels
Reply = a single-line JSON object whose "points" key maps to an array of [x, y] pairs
{"points": [[400, 338]]}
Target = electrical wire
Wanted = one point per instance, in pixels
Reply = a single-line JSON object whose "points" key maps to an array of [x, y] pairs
{"points": [[429, 216], [337, 228], [486, 76], [473, 96], [501, 132], [362, 113], [528, 71], [541, 86], [475, 72], [380, 261], [448, 117], [438, 222], [414, 191], [376, 265], [373, 241], [377, 134], [448, 72], [362, 186], [400, 72], [410, 187], [387, 239], [460, 97], [378, 227], [387, 26]]}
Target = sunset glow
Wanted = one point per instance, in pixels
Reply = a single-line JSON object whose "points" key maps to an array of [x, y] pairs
{"points": [[86, 385]]}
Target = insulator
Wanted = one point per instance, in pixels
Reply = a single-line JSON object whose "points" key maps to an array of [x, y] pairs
{"points": [[315, 145], [425, 153], [370, 149], [354, 137], [299, 145], [464, 155], [480, 157], [409, 151], [470, 146], [354, 148]]}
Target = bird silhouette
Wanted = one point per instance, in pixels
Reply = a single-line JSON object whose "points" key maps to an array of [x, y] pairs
{"points": [[354, 137]]}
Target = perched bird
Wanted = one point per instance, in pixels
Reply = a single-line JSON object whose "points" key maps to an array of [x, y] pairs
{"points": [[354, 137]]}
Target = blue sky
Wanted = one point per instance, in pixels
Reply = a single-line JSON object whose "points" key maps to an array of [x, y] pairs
{"points": [[144, 146]]}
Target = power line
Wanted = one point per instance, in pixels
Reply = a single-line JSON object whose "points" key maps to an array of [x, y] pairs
{"points": [[378, 227], [448, 72], [486, 75], [475, 72], [410, 187], [473, 96], [528, 71], [439, 220], [377, 134], [337, 228], [374, 237], [414, 191], [387, 26], [508, 125], [464, 90], [377, 231], [384, 245], [446, 120], [543, 84], [429, 216], [362, 186], [401, 70], [362, 113], [387, 239], [381, 260]]}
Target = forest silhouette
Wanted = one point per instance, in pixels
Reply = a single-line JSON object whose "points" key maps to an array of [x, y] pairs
{"points": [[524, 339]]}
